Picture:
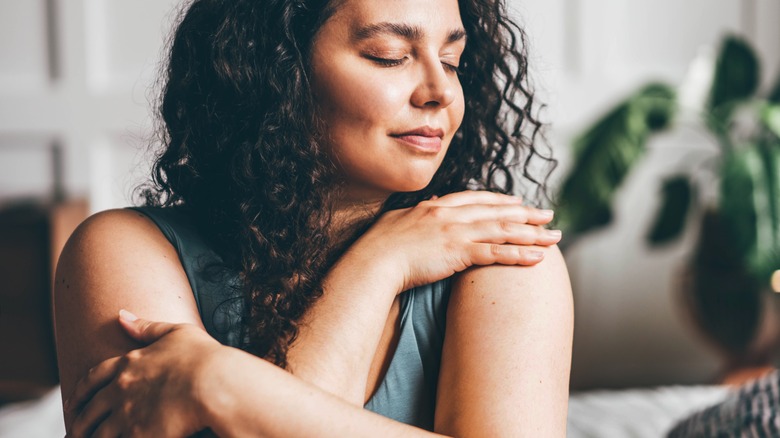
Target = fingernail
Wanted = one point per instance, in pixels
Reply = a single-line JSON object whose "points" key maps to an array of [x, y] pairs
{"points": [[535, 255], [127, 316], [547, 213], [555, 233]]}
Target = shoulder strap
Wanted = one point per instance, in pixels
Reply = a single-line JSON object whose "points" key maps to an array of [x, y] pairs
{"points": [[216, 287]]}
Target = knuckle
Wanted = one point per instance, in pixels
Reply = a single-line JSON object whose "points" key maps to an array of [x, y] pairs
{"points": [[133, 355], [124, 381], [436, 212], [127, 408], [525, 212], [496, 249], [505, 227], [449, 228]]}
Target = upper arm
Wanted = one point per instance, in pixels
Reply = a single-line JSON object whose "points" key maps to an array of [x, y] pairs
{"points": [[507, 351], [115, 260]]}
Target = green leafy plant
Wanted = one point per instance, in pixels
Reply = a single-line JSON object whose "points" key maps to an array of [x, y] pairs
{"points": [[739, 231]]}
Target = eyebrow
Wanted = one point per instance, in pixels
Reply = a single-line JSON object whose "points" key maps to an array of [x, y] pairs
{"points": [[406, 31]]}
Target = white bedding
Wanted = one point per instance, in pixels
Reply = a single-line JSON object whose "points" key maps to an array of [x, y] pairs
{"points": [[41, 418], [634, 413], [637, 413]]}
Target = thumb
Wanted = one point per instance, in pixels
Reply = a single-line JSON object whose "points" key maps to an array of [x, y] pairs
{"points": [[143, 330]]}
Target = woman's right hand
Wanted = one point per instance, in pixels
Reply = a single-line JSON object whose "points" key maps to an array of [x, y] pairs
{"points": [[157, 390], [437, 238]]}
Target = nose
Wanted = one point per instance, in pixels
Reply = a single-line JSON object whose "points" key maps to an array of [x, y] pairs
{"points": [[436, 87]]}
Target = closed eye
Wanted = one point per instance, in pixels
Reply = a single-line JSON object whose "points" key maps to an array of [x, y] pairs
{"points": [[451, 67], [386, 62]]}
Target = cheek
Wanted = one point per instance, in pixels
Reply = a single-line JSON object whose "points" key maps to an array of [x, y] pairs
{"points": [[456, 111], [353, 97]]}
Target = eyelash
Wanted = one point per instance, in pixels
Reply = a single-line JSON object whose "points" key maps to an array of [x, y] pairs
{"points": [[385, 62], [453, 68]]}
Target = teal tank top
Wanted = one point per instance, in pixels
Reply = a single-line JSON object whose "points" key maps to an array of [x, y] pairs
{"points": [[408, 391]]}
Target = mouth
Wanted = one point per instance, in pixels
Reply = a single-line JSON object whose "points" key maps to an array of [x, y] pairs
{"points": [[424, 139]]}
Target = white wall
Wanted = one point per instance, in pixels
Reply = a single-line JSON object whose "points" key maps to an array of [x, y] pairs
{"points": [[630, 328], [78, 73]]}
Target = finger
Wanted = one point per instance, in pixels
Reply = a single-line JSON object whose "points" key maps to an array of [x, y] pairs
{"points": [[492, 253], [143, 330], [108, 428], [94, 413], [476, 197], [510, 232], [97, 377], [506, 212]]}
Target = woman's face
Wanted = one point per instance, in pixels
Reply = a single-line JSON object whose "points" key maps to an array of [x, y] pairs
{"points": [[384, 76]]}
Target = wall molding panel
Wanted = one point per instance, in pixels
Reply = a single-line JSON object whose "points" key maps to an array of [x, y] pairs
{"points": [[82, 72], [79, 73], [25, 39]]}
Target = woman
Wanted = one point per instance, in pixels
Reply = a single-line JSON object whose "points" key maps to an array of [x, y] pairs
{"points": [[316, 165]]}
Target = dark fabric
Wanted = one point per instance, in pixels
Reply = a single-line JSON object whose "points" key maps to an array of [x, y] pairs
{"points": [[216, 288], [408, 391], [751, 411]]}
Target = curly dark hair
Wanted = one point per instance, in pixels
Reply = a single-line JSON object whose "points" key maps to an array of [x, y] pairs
{"points": [[241, 150]]}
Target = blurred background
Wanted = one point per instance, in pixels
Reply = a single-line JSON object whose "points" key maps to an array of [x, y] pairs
{"points": [[76, 89]]}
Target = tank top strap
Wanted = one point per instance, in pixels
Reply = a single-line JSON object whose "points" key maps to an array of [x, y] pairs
{"points": [[430, 313], [215, 286], [408, 391]]}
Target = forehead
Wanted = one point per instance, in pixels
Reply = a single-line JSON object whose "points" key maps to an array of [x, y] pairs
{"points": [[431, 16]]}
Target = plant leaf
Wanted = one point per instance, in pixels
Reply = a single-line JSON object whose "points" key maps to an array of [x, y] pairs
{"points": [[770, 117], [606, 152], [737, 207], [750, 205], [724, 295], [677, 196], [774, 95], [737, 73], [767, 201]]}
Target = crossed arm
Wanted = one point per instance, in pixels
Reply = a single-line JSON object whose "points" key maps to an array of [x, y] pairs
{"points": [[504, 368]]}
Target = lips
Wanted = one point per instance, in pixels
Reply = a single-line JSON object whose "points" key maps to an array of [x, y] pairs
{"points": [[424, 139]]}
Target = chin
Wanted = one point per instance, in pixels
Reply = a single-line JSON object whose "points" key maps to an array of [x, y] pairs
{"points": [[413, 185]]}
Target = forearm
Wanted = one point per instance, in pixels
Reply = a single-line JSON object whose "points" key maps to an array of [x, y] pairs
{"points": [[281, 405], [340, 333]]}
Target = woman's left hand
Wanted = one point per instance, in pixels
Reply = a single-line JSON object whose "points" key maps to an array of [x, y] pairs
{"points": [[152, 391]]}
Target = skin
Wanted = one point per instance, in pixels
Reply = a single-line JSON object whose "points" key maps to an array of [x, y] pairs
{"points": [[413, 83], [183, 381]]}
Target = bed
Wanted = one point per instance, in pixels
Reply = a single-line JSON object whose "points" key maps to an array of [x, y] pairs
{"points": [[631, 413]]}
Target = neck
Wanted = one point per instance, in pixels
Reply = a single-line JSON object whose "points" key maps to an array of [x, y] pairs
{"points": [[350, 211]]}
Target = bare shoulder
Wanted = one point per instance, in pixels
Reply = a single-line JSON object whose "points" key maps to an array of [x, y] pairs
{"points": [[114, 249], [115, 259], [489, 301], [519, 320], [548, 280], [112, 231]]}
